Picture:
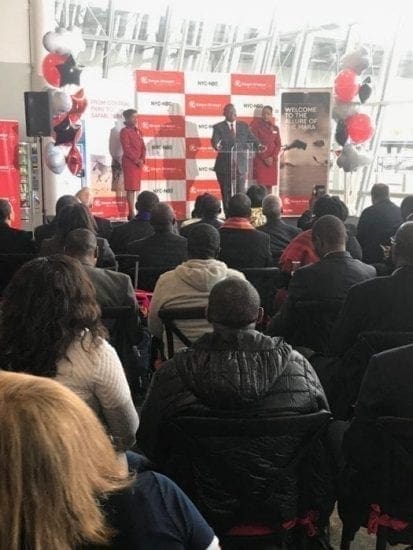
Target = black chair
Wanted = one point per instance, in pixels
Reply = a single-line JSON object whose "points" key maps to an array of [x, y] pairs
{"points": [[266, 280], [210, 459], [169, 316], [132, 344], [344, 386], [148, 276], [386, 505], [314, 321], [9, 264], [129, 264]]}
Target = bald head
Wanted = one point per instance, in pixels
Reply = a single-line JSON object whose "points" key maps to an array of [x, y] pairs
{"points": [[403, 247], [239, 206], [162, 217], [328, 235], [85, 196], [5, 211], [234, 303], [272, 207]]}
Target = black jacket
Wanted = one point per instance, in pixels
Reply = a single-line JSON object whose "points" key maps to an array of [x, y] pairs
{"points": [[15, 241], [245, 248], [326, 282], [281, 234], [128, 232], [376, 225], [230, 373], [222, 137], [45, 231]]}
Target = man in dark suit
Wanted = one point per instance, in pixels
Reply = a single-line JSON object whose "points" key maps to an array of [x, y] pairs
{"points": [[209, 209], [47, 230], [112, 288], [137, 228], [225, 136], [281, 233], [383, 303], [163, 249], [13, 241], [377, 223], [326, 281], [241, 244]]}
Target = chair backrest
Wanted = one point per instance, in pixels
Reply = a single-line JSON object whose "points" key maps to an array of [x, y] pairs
{"points": [[244, 469], [129, 264], [169, 316], [266, 280], [314, 321], [148, 276], [9, 264]]}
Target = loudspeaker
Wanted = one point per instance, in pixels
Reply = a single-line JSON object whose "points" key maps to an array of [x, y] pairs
{"points": [[37, 110]]}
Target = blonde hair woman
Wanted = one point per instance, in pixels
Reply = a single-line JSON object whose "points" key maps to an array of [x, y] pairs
{"points": [[62, 486]]}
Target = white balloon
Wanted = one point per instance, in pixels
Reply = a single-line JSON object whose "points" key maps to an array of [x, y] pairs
{"points": [[61, 102], [64, 41], [55, 158]]}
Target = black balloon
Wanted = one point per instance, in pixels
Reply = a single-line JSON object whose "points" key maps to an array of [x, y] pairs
{"points": [[367, 80], [364, 92], [69, 72], [341, 135], [65, 132]]}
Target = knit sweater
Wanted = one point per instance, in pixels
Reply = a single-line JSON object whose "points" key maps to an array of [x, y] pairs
{"points": [[96, 375]]}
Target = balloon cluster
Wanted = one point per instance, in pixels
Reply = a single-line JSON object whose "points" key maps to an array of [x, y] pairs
{"points": [[353, 127], [67, 99]]}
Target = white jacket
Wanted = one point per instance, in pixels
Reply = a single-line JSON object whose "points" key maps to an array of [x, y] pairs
{"points": [[188, 285]]}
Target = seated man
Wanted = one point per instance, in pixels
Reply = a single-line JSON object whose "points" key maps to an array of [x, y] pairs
{"points": [[241, 244], [138, 227], [189, 284], [281, 233], [112, 288], [301, 248], [209, 208], [47, 230], [327, 280], [13, 241], [233, 369], [104, 227], [382, 303], [163, 249]]}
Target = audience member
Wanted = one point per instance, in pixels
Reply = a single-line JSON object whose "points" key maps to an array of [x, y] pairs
{"points": [[305, 221], [241, 244], [301, 248], [164, 249], [209, 210], [257, 193], [47, 230], [104, 226], [12, 240], [383, 303], [64, 487], [281, 233], [138, 227], [325, 281], [76, 217], [406, 207], [50, 326], [196, 212], [189, 284], [377, 223], [112, 288], [233, 371]]}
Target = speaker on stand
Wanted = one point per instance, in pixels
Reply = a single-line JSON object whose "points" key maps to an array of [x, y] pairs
{"points": [[38, 125]]}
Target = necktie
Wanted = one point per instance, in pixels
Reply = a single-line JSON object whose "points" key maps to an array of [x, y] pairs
{"points": [[232, 130]]}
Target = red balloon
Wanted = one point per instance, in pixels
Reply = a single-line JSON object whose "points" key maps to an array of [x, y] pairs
{"points": [[346, 85], [359, 127], [74, 161], [49, 68], [79, 105]]}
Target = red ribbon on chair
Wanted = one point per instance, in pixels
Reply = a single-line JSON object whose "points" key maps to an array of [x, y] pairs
{"points": [[308, 521], [376, 519]]}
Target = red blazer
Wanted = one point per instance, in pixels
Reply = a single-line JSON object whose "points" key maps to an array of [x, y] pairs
{"points": [[133, 150], [268, 135]]}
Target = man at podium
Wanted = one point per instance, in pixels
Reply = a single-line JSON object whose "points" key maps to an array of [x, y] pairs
{"points": [[230, 137]]}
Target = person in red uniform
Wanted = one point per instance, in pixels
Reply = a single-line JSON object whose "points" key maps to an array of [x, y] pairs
{"points": [[133, 158], [266, 161]]}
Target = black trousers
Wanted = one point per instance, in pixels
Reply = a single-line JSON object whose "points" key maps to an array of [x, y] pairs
{"points": [[224, 180]]}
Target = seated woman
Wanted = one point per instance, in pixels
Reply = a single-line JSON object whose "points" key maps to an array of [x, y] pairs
{"points": [[63, 487], [257, 194], [50, 326], [73, 217]]}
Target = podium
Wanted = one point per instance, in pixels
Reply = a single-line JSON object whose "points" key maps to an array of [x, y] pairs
{"points": [[242, 157]]}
